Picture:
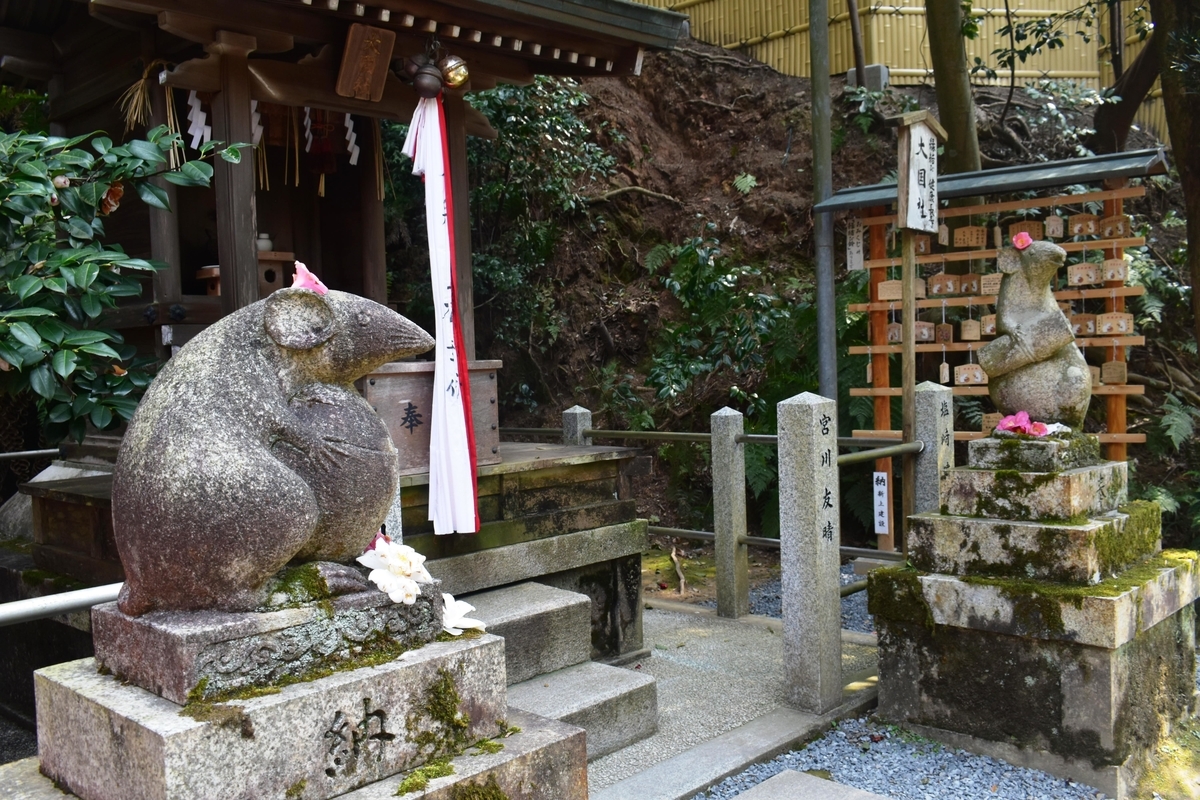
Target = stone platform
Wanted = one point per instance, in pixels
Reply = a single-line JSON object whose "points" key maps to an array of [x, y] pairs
{"points": [[186, 655], [1038, 621], [104, 740]]}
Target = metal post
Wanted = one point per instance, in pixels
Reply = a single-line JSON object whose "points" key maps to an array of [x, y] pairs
{"points": [[822, 144], [729, 513]]}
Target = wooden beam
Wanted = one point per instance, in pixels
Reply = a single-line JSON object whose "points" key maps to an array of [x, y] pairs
{"points": [[33, 47], [204, 29], [1016, 205], [374, 255], [164, 225], [294, 21], [456, 140], [237, 224], [33, 70]]}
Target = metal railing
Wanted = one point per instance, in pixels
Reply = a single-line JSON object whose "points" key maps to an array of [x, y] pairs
{"points": [[55, 604]]}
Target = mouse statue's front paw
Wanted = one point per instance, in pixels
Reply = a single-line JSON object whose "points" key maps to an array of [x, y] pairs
{"points": [[313, 582]]}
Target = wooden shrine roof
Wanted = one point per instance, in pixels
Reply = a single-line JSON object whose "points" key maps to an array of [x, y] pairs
{"points": [[1024, 177]]}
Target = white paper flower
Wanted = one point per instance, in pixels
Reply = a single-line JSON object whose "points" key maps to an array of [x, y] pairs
{"points": [[454, 617], [396, 569]]}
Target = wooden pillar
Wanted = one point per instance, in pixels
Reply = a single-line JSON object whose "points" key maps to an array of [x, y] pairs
{"points": [[1115, 404], [908, 376], [881, 367], [374, 256], [456, 140], [164, 225], [237, 225]]}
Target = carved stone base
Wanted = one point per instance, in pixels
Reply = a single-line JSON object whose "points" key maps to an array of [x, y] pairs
{"points": [[104, 740], [171, 653]]}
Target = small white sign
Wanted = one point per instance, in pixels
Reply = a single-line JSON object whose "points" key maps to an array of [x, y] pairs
{"points": [[918, 199], [854, 243], [880, 491]]}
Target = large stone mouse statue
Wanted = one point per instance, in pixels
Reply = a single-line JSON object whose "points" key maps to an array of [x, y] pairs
{"points": [[252, 449], [1033, 364]]}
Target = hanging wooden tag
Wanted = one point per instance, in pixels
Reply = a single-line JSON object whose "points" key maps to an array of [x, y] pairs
{"points": [[1064, 306], [943, 333], [989, 283], [1031, 226], [969, 330], [1117, 227], [854, 243], [1054, 227], [1115, 269], [1083, 274], [1081, 224], [943, 235], [969, 283], [990, 421], [919, 288], [891, 290], [921, 245], [942, 283], [1083, 324], [924, 331], [1114, 323], [997, 237], [988, 323], [1114, 373], [1095, 371], [870, 372], [895, 333], [974, 236], [944, 373], [969, 375]]}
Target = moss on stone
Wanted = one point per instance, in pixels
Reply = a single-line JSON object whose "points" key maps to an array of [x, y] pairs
{"points": [[36, 577], [895, 593], [296, 789], [17, 545], [506, 730], [487, 746], [419, 778], [438, 727], [469, 633], [299, 585], [1139, 537], [488, 790], [1009, 487]]}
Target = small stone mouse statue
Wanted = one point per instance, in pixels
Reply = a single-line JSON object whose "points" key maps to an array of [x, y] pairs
{"points": [[1033, 364], [252, 449]]}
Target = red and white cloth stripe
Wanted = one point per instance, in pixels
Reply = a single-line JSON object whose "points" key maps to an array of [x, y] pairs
{"points": [[453, 506]]}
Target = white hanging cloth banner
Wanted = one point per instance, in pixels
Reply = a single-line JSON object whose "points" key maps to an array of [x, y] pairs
{"points": [[453, 507]]}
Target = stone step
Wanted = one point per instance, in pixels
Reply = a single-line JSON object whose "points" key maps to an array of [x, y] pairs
{"points": [[545, 629], [1083, 553], [792, 785], [1073, 494], [616, 706]]}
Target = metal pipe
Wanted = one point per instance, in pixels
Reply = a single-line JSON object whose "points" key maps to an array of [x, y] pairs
{"points": [[853, 588], [654, 436], [762, 541], [531, 431], [19, 454], [867, 552], [55, 604], [684, 533], [906, 448], [822, 147], [759, 541]]}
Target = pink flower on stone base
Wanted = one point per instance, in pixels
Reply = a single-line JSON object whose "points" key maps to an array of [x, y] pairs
{"points": [[1020, 423], [306, 280], [1022, 240]]}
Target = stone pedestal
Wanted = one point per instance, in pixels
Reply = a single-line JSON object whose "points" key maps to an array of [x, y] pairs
{"points": [[1039, 621], [344, 696]]}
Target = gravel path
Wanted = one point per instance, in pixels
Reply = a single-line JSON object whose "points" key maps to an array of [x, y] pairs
{"points": [[883, 759], [766, 599]]}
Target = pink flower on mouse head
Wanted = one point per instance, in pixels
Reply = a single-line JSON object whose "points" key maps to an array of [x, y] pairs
{"points": [[1022, 240], [306, 280]]}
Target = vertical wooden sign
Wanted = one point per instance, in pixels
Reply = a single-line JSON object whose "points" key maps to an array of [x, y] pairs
{"points": [[854, 243], [918, 200]]}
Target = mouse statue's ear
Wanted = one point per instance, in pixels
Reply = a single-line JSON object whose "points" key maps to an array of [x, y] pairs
{"points": [[1009, 261], [298, 319]]}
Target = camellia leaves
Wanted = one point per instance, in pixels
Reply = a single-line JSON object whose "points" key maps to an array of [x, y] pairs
{"points": [[91, 305], [153, 195], [100, 349], [77, 338], [146, 151], [24, 286], [24, 333], [64, 362], [101, 417], [41, 380]]}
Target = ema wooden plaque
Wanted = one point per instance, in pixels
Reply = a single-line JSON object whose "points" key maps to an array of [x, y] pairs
{"points": [[1083, 274], [943, 235], [921, 245], [988, 323], [990, 421], [1055, 226], [924, 331], [1114, 269], [895, 333], [1114, 373], [942, 283], [969, 283], [943, 334], [1082, 224], [1083, 324], [1117, 227], [891, 290], [990, 283], [944, 373], [969, 330], [919, 288], [974, 236], [1114, 323], [970, 375], [1031, 226]]}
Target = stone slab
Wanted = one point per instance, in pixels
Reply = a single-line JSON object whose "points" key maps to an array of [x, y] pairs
{"points": [[792, 785], [1085, 553], [1035, 610], [171, 652], [1007, 494], [545, 629], [499, 566], [1048, 454], [616, 707], [104, 740], [546, 760], [1079, 703]]}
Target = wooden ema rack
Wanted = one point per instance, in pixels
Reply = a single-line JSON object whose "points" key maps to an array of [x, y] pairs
{"points": [[1111, 293]]}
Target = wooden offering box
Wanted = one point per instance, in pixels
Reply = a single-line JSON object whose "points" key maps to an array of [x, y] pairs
{"points": [[402, 394], [72, 528]]}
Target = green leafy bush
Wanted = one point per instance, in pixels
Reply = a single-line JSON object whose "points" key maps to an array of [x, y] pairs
{"points": [[57, 276]]}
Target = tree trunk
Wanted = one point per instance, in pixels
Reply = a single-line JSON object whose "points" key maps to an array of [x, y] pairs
{"points": [[860, 58], [1112, 120], [1183, 123], [956, 106]]}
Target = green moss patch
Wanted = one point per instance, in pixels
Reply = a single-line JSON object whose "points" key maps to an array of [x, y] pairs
{"points": [[296, 789], [895, 593], [487, 746], [218, 712], [419, 778], [1139, 537], [488, 790]]}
